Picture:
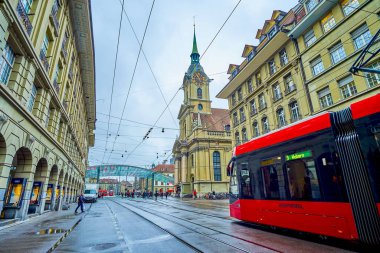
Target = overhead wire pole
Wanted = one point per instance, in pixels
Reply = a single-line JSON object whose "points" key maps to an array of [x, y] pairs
{"points": [[216, 35], [133, 75], [114, 74]]}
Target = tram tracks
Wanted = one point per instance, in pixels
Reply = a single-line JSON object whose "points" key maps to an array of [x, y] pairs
{"points": [[204, 231], [182, 209]]}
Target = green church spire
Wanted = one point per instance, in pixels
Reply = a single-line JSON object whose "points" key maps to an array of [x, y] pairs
{"points": [[194, 54]]}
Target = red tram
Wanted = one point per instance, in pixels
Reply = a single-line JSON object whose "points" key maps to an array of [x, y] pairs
{"points": [[320, 175]]}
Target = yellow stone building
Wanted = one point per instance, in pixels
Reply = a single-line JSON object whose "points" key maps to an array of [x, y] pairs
{"points": [[301, 66], [47, 103], [330, 36], [266, 90], [203, 148]]}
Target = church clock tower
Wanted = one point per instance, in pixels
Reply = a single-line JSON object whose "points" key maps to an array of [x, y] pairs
{"points": [[203, 148], [196, 84]]}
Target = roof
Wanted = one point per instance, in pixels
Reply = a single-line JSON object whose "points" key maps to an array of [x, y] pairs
{"points": [[215, 121], [195, 48], [164, 168]]}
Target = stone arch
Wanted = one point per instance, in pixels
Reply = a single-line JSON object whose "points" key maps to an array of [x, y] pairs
{"points": [[21, 184], [3, 150], [52, 184], [38, 195]]}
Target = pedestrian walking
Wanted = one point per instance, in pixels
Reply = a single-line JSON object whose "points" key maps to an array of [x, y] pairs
{"points": [[80, 203], [156, 194], [166, 195], [195, 194]]}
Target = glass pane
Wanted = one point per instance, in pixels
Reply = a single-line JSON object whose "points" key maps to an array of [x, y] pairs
{"points": [[245, 179], [303, 180], [273, 178]]}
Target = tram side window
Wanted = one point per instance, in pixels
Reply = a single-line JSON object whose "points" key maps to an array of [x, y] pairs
{"points": [[245, 180], [303, 179], [273, 178], [331, 177]]}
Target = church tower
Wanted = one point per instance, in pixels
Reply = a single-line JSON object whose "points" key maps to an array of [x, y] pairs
{"points": [[196, 83], [203, 148]]}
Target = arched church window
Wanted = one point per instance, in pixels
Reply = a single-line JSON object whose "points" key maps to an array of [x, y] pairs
{"points": [[199, 92], [217, 167]]}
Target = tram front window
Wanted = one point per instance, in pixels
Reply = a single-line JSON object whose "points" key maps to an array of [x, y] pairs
{"points": [[303, 179], [233, 181]]}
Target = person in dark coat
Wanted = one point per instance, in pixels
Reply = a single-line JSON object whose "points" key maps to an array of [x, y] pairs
{"points": [[80, 203], [166, 194], [156, 194]]}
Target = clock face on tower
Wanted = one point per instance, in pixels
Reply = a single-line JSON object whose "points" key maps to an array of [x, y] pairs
{"points": [[198, 78]]}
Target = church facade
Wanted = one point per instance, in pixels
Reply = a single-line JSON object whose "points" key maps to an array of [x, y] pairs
{"points": [[203, 148]]}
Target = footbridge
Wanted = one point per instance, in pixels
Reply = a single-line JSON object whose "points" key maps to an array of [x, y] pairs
{"points": [[98, 171]]}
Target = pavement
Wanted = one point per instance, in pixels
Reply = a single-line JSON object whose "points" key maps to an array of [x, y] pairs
{"points": [[142, 226], [40, 233]]}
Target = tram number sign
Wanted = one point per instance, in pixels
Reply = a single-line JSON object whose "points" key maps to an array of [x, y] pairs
{"points": [[300, 155]]}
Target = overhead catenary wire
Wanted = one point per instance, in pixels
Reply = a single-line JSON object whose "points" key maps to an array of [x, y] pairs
{"points": [[213, 39], [149, 66], [114, 69], [134, 71]]}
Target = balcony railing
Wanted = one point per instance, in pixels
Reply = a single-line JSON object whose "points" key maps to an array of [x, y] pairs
{"points": [[24, 17], [218, 133], [44, 60]]}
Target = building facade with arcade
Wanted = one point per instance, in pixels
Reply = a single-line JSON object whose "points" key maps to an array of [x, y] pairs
{"points": [[47, 103], [203, 147]]}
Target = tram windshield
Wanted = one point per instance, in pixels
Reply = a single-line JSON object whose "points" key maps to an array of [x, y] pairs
{"points": [[233, 178]]}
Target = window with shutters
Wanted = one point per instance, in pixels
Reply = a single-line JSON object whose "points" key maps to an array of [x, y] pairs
{"points": [[347, 87], [328, 22], [325, 98], [373, 79], [349, 6], [361, 36], [317, 66], [309, 38], [337, 53]]}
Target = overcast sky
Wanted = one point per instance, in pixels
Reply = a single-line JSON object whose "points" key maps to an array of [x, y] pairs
{"points": [[167, 46]]}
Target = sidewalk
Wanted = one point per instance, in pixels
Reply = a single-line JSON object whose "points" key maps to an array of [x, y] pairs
{"points": [[40, 233]]}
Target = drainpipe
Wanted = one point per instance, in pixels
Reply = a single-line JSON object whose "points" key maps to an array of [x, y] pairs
{"points": [[306, 87]]}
